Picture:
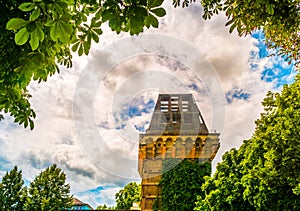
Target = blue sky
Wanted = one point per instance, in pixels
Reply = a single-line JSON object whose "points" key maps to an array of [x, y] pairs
{"points": [[279, 71], [89, 117]]}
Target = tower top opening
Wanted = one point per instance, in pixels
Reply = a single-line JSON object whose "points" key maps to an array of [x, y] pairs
{"points": [[176, 114]]}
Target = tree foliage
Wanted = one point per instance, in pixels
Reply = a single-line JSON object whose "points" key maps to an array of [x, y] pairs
{"points": [[182, 184], [37, 35], [12, 191], [125, 197], [278, 19], [13, 79], [49, 191], [105, 207], [264, 174]]}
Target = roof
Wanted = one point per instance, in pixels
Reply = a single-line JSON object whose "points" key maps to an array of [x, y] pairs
{"points": [[77, 202]]}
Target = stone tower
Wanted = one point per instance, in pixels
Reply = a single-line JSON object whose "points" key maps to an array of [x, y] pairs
{"points": [[177, 131]]}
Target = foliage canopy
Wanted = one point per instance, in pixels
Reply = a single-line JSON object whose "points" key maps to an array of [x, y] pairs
{"points": [[12, 191], [105, 207], [37, 35], [264, 174], [125, 197], [182, 184], [278, 19], [48, 191]]}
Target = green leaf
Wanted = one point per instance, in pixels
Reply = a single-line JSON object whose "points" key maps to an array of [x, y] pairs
{"points": [[25, 124], [115, 23], [35, 14], [154, 3], [16, 23], [33, 113], [136, 26], [58, 9], [22, 36], [270, 9], [86, 46], [80, 50], [160, 12], [62, 4], [61, 30], [67, 28], [98, 31], [54, 31], [50, 23], [96, 24], [34, 39], [229, 22], [107, 15], [31, 26], [95, 37], [232, 27], [40, 31], [98, 14], [147, 22], [153, 20], [75, 46], [66, 17], [31, 124], [27, 6]]}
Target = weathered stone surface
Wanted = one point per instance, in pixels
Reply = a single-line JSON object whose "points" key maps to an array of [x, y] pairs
{"points": [[177, 131]]}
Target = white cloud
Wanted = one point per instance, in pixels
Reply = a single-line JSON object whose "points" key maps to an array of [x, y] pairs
{"points": [[79, 109]]}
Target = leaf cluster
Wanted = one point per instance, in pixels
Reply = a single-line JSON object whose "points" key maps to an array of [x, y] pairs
{"points": [[125, 197], [13, 194], [40, 34], [264, 173], [105, 207], [13, 79], [37, 35], [278, 19], [182, 184], [184, 3], [122, 16], [48, 191]]}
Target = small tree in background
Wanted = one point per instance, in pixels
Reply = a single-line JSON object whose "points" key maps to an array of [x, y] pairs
{"points": [[12, 191], [105, 207], [1, 196], [49, 191], [125, 197]]}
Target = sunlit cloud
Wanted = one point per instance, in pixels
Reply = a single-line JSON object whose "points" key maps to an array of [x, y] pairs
{"points": [[89, 117]]}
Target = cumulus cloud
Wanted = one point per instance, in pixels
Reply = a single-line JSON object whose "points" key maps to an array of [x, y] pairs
{"points": [[89, 117]]}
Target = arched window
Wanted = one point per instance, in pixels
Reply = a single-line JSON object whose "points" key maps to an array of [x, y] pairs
{"points": [[158, 147], [198, 146], [180, 149], [188, 145], [169, 146], [198, 142]]}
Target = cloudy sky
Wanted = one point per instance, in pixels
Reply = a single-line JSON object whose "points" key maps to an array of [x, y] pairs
{"points": [[89, 117]]}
